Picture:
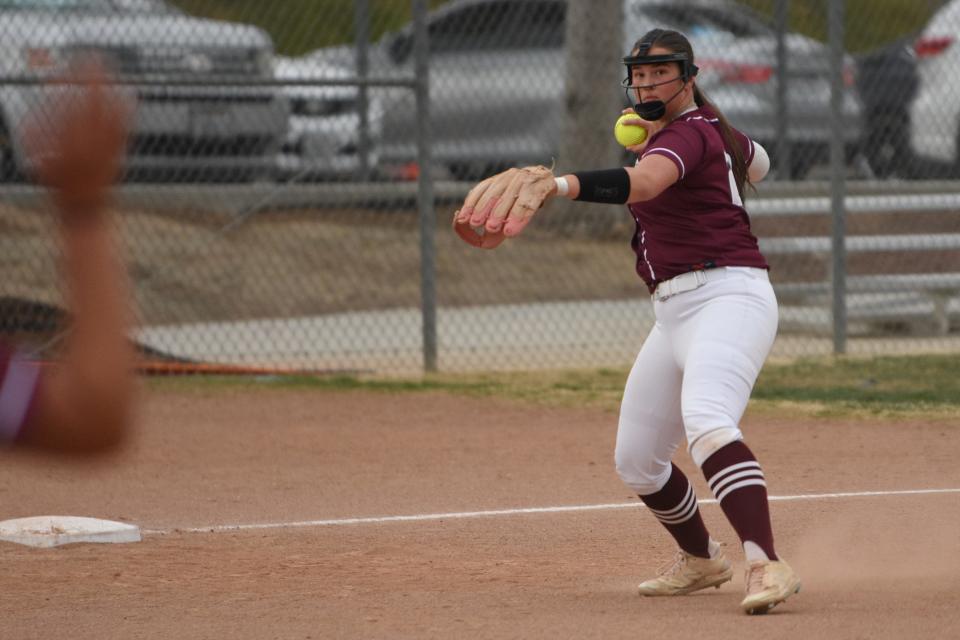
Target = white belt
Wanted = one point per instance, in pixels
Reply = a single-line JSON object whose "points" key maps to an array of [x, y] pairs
{"points": [[684, 282]]}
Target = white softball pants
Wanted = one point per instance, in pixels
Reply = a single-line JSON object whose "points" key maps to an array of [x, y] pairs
{"points": [[694, 374]]}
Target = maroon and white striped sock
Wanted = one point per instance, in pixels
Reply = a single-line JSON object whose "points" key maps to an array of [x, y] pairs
{"points": [[675, 506], [737, 482]]}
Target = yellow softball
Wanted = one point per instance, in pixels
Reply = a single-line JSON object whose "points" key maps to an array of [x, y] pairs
{"points": [[629, 134]]}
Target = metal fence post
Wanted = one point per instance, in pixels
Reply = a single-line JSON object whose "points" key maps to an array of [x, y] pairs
{"points": [[838, 175], [425, 191], [361, 28], [781, 15]]}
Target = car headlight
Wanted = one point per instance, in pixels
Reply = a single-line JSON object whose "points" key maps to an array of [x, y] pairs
{"points": [[42, 61], [49, 61]]}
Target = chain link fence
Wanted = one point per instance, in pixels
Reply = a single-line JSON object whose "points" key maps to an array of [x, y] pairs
{"points": [[287, 199]]}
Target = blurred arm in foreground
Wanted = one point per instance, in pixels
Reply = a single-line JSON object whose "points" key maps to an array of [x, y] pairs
{"points": [[81, 404]]}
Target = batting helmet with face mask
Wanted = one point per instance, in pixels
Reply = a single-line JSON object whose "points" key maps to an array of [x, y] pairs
{"points": [[654, 109]]}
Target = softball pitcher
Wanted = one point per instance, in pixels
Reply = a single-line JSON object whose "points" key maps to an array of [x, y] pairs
{"points": [[716, 314]]}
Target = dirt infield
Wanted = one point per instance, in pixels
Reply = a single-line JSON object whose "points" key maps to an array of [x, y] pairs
{"points": [[874, 566]]}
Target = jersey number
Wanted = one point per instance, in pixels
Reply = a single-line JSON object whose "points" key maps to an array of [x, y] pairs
{"points": [[734, 192]]}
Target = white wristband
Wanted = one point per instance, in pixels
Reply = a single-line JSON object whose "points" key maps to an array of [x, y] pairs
{"points": [[563, 187]]}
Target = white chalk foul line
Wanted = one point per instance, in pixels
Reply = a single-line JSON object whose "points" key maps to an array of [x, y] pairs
{"points": [[512, 512]]}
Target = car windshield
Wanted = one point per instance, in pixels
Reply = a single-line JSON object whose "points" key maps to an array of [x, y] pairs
{"points": [[142, 6], [705, 22], [138, 6]]}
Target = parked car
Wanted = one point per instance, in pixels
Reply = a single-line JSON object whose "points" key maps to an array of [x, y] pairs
{"points": [[497, 79], [935, 112], [887, 83], [324, 140], [181, 130]]}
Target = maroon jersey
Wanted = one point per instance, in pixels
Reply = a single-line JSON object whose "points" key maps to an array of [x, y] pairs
{"points": [[19, 380], [699, 221]]}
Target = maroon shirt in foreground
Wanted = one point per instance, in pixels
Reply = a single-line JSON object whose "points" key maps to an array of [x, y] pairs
{"points": [[699, 221], [19, 381]]}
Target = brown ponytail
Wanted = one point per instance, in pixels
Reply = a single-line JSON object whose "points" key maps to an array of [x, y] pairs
{"points": [[726, 132]]}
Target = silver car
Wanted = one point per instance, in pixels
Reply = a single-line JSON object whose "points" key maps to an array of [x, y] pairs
{"points": [[497, 79], [324, 138], [219, 124], [934, 131]]}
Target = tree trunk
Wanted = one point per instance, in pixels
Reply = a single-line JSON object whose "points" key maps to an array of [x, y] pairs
{"points": [[593, 101]]}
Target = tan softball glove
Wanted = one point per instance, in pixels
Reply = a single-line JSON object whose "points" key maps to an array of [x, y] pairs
{"points": [[502, 205]]}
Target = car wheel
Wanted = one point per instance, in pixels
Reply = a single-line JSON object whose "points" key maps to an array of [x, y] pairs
{"points": [[8, 163], [480, 169], [885, 145], [955, 169], [468, 171], [800, 165]]}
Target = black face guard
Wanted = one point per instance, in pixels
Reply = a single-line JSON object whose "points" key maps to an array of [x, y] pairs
{"points": [[655, 109], [687, 68]]}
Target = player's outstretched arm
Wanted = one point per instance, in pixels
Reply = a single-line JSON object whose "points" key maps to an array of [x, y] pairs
{"points": [[501, 206], [76, 146]]}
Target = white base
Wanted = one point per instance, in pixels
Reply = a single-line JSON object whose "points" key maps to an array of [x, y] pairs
{"points": [[51, 531]]}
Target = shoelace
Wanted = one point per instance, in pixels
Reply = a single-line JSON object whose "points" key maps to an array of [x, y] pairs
{"points": [[673, 567], [755, 579]]}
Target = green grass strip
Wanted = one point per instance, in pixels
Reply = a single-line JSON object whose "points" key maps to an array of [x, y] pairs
{"points": [[902, 386]]}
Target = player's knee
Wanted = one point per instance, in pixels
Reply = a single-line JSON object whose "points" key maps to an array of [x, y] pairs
{"points": [[638, 473], [708, 443]]}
